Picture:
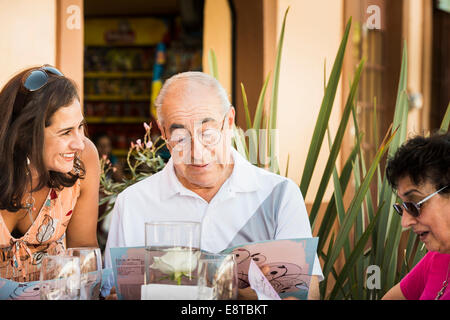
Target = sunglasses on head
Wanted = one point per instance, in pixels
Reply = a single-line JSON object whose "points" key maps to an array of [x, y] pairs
{"points": [[35, 79], [32, 81], [414, 208]]}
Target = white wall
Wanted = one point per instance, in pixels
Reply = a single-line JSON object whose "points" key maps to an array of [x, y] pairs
{"points": [[217, 36], [27, 35], [313, 33]]}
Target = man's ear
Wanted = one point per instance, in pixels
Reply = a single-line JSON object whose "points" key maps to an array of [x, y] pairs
{"points": [[231, 116], [160, 127]]}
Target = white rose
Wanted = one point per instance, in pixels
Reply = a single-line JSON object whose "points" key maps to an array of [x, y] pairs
{"points": [[71, 273], [69, 269], [176, 262]]}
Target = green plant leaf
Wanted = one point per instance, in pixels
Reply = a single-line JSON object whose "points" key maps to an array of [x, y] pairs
{"points": [[446, 120], [212, 62], [248, 120], [324, 115], [338, 198], [329, 216], [401, 106], [335, 147], [257, 138], [276, 76], [324, 282], [287, 166], [260, 105], [272, 145], [344, 230], [354, 257], [399, 125], [358, 229], [391, 254], [239, 141]]}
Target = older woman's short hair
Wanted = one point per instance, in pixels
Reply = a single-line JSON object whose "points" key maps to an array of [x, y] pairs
{"points": [[422, 159]]}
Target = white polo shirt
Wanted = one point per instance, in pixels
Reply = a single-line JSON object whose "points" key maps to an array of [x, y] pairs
{"points": [[252, 205]]}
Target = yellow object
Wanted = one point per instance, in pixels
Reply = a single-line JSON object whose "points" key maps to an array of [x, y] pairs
{"points": [[156, 87], [131, 31]]}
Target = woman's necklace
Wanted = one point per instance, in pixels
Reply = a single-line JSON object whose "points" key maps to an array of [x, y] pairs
{"points": [[444, 285], [29, 206]]}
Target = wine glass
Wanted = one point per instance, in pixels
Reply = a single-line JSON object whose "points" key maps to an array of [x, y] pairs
{"points": [[91, 271], [217, 277], [60, 278]]}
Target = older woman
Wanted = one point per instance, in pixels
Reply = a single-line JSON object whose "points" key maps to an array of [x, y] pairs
{"points": [[49, 172], [420, 172]]}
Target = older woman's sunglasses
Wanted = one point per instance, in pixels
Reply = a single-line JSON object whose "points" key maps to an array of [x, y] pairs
{"points": [[33, 80], [414, 208]]}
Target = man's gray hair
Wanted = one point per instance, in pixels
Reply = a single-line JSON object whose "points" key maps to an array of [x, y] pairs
{"points": [[192, 77]]}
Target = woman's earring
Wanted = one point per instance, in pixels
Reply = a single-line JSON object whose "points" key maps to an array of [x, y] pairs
{"points": [[28, 166]]}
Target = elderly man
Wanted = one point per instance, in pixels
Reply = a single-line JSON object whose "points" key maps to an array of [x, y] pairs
{"points": [[208, 181]]}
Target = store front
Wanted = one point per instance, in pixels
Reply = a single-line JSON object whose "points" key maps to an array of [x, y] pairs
{"points": [[130, 49]]}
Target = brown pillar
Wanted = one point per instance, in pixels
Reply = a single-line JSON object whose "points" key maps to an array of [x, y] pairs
{"points": [[249, 55], [70, 40]]}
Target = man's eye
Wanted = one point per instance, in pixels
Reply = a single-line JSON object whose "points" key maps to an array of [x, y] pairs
{"points": [[179, 139], [209, 134]]}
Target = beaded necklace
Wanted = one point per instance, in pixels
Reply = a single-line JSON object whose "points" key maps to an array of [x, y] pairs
{"points": [[444, 285]]}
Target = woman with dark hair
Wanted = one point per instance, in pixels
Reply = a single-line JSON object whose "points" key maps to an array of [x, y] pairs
{"points": [[50, 172], [420, 173]]}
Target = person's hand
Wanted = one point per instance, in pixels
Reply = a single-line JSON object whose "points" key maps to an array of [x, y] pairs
{"points": [[112, 294], [248, 293]]}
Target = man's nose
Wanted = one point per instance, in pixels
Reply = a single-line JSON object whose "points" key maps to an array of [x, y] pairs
{"points": [[197, 150]]}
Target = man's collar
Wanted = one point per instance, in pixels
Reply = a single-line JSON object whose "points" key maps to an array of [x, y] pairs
{"points": [[170, 185], [242, 179]]}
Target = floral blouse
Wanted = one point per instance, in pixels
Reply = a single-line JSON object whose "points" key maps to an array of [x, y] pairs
{"points": [[20, 259]]}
